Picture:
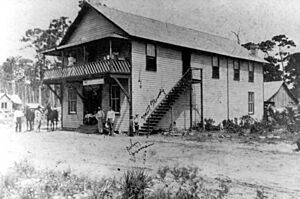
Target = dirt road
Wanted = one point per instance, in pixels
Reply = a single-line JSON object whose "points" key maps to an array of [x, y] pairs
{"points": [[248, 166]]}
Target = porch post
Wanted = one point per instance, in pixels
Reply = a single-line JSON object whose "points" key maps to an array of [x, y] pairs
{"points": [[110, 54], [191, 100], [84, 54]]}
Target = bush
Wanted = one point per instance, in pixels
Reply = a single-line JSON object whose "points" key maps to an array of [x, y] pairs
{"points": [[209, 125], [135, 182], [185, 183], [231, 127]]}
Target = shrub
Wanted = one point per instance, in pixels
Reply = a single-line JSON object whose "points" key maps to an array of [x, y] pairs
{"points": [[209, 125], [135, 182], [231, 127]]}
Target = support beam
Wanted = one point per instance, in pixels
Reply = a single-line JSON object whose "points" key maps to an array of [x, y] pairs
{"points": [[54, 92], [77, 92], [122, 88]]}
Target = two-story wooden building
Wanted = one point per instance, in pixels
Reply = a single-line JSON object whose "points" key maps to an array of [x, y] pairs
{"points": [[161, 71]]}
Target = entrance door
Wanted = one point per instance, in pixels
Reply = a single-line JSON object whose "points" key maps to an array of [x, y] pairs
{"points": [[93, 95], [186, 60]]}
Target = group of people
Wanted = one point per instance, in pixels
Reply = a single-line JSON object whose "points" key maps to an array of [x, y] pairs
{"points": [[108, 121], [19, 115]]}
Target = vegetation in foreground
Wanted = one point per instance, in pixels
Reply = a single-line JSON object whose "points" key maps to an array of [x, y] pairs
{"points": [[25, 182]]}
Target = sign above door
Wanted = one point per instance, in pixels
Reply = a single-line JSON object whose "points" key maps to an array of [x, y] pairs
{"points": [[93, 82]]}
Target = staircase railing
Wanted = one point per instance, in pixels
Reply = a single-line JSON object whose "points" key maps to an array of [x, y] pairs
{"points": [[185, 75]]}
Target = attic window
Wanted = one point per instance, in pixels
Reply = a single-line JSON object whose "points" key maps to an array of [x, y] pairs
{"points": [[251, 71], [236, 70], [151, 57], [4, 105], [215, 67]]}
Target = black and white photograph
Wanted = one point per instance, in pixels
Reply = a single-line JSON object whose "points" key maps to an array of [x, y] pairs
{"points": [[150, 99]]}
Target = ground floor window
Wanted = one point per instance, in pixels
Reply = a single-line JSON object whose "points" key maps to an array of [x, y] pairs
{"points": [[251, 102], [115, 98], [4, 105], [72, 101]]}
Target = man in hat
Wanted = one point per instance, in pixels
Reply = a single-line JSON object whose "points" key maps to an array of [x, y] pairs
{"points": [[110, 119], [100, 116]]}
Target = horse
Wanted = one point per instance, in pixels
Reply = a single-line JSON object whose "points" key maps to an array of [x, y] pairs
{"points": [[52, 115], [29, 115]]}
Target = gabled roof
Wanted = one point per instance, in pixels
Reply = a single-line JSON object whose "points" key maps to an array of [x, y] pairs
{"points": [[272, 88], [142, 27], [13, 98], [158, 31]]}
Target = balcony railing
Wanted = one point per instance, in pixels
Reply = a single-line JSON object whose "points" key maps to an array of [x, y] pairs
{"points": [[93, 68]]}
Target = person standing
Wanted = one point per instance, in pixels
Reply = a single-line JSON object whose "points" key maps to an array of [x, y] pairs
{"points": [[100, 116], [38, 118], [18, 119], [137, 124], [110, 119]]}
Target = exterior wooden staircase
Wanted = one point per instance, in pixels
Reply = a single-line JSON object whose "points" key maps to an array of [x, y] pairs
{"points": [[163, 107]]}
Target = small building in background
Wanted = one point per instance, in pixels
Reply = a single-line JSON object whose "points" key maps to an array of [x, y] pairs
{"points": [[8, 103], [277, 94]]}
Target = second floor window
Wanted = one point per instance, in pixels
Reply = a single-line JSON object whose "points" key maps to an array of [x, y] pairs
{"points": [[236, 70], [251, 71], [215, 67], [151, 57], [72, 101]]}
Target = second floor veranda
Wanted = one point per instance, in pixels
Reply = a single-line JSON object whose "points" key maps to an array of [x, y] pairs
{"points": [[89, 59]]}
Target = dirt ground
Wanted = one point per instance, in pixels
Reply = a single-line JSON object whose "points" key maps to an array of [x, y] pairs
{"points": [[246, 165]]}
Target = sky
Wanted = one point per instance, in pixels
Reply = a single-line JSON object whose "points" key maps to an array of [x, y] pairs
{"points": [[255, 20]]}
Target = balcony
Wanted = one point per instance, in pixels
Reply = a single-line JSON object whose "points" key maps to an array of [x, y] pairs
{"points": [[88, 70]]}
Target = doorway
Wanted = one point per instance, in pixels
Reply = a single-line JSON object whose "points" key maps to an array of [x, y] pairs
{"points": [[186, 60], [93, 98]]}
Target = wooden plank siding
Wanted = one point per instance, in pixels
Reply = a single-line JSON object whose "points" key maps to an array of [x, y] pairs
{"points": [[146, 84], [72, 121], [93, 25], [281, 99], [223, 98]]}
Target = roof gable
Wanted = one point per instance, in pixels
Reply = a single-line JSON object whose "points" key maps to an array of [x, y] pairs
{"points": [[272, 88], [88, 26], [13, 98]]}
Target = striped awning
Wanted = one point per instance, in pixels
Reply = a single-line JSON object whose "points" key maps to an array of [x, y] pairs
{"points": [[93, 68]]}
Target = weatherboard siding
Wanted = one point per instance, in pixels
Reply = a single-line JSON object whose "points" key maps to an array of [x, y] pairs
{"points": [[238, 92], [72, 121], [147, 84], [282, 99], [93, 26], [214, 90]]}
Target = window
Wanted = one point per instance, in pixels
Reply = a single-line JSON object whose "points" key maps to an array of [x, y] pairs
{"points": [[4, 105], [236, 70], [72, 101], [151, 57], [251, 102], [115, 98], [215, 67], [251, 71]]}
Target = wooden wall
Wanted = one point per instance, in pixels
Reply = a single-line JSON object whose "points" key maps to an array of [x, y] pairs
{"points": [[93, 25], [223, 98], [282, 99]]}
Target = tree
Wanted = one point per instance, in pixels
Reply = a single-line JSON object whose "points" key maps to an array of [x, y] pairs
{"points": [[292, 75], [43, 39], [276, 53]]}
